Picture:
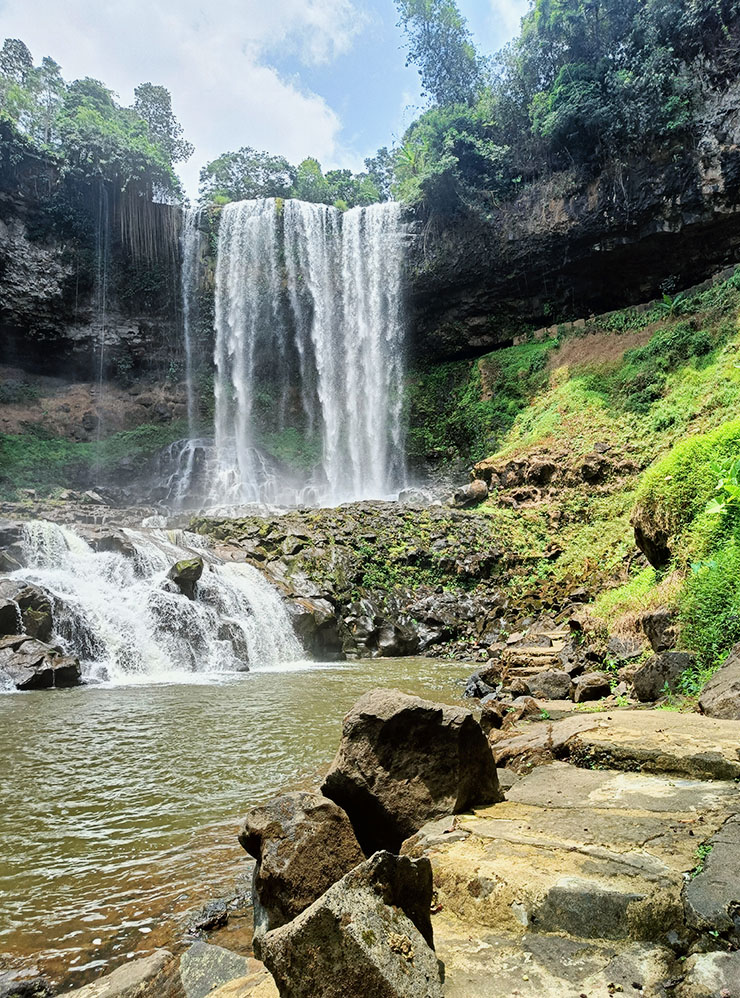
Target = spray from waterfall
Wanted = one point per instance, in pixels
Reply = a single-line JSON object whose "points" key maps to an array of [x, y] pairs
{"points": [[309, 352], [116, 611]]}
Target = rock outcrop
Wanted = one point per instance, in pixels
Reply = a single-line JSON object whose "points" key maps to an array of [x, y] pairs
{"points": [[403, 761], [185, 575], [370, 934], [32, 665], [721, 696], [303, 843]]}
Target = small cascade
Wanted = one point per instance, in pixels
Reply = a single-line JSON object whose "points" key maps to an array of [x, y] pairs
{"points": [[118, 613], [309, 352], [190, 245]]}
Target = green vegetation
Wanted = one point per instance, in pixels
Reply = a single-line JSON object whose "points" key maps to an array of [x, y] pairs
{"points": [[463, 409], [32, 460], [585, 84], [84, 131], [247, 173]]}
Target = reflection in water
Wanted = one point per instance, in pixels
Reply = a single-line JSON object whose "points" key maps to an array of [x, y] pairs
{"points": [[119, 804]]}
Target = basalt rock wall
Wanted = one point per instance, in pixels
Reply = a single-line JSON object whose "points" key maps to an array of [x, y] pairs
{"points": [[574, 244]]}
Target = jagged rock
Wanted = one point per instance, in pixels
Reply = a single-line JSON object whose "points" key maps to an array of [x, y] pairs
{"points": [[659, 673], [476, 687], [303, 843], [28, 984], [33, 665], [403, 761], [552, 684], [624, 649], [34, 604], [591, 686], [710, 975], [149, 975], [316, 625], [712, 897], [660, 628], [721, 696], [185, 575], [10, 617], [493, 712], [516, 687], [106, 540], [370, 934], [520, 708], [651, 539], [471, 495]]}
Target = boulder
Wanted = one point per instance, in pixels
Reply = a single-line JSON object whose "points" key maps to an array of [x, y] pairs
{"points": [[476, 687], [659, 673], [35, 606], [492, 714], [33, 665], [552, 684], [660, 628], [710, 975], [10, 617], [471, 495], [205, 967], [185, 575], [591, 686], [370, 934], [303, 843], [403, 761], [650, 538], [721, 696]]}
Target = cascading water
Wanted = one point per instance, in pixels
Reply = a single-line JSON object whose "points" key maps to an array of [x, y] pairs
{"points": [[190, 249], [309, 352], [118, 614]]}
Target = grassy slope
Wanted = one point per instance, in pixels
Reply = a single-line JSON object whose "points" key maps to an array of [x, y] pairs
{"points": [[682, 381]]}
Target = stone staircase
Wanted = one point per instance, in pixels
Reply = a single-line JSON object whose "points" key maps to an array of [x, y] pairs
{"points": [[533, 653]]}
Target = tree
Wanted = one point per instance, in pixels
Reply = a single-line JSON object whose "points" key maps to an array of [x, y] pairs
{"points": [[440, 46], [154, 105], [16, 62], [351, 189], [311, 184], [380, 170], [49, 87], [246, 174]]}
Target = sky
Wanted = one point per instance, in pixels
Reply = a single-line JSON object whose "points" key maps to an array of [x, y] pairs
{"points": [[323, 78]]}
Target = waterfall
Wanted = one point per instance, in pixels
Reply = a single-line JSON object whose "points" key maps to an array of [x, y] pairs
{"points": [[190, 249], [117, 613], [309, 352]]}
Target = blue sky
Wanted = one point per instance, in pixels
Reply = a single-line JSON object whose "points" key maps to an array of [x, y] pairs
{"points": [[297, 77]]}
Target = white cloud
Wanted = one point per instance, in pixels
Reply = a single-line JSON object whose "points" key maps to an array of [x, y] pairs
{"points": [[504, 19], [215, 59]]}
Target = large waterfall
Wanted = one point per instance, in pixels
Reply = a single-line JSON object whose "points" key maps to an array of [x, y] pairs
{"points": [[116, 612], [309, 352]]}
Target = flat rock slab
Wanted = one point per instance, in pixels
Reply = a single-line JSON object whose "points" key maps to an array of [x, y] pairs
{"points": [[491, 965], [646, 740], [149, 975], [594, 854], [204, 967]]}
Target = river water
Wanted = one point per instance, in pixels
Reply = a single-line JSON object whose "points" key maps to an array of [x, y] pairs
{"points": [[120, 803]]}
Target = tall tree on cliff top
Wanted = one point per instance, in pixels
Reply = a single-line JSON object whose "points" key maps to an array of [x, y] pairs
{"points": [[154, 105], [440, 46]]}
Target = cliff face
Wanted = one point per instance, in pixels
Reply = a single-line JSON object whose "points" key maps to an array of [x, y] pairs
{"points": [[66, 288], [572, 245]]}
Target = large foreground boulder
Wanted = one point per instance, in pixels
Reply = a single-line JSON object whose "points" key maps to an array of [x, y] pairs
{"points": [[33, 665], [721, 696], [370, 935], [403, 761], [303, 843]]}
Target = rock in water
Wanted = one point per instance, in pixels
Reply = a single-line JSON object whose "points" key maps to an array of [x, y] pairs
{"points": [[721, 696], [303, 843], [10, 616], [403, 761], [185, 574], [33, 665], [34, 604], [370, 935]]}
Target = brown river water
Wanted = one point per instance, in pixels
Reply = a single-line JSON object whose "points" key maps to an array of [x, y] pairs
{"points": [[119, 805]]}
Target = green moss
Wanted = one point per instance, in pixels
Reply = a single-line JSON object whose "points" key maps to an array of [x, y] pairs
{"points": [[33, 460]]}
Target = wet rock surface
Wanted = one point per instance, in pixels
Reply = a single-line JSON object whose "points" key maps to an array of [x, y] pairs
{"points": [[403, 761], [33, 665]]}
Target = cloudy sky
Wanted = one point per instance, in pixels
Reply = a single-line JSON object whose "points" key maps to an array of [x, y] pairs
{"points": [[297, 77]]}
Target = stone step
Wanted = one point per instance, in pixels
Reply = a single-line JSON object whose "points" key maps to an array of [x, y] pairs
{"points": [[531, 652], [587, 853], [651, 741]]}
